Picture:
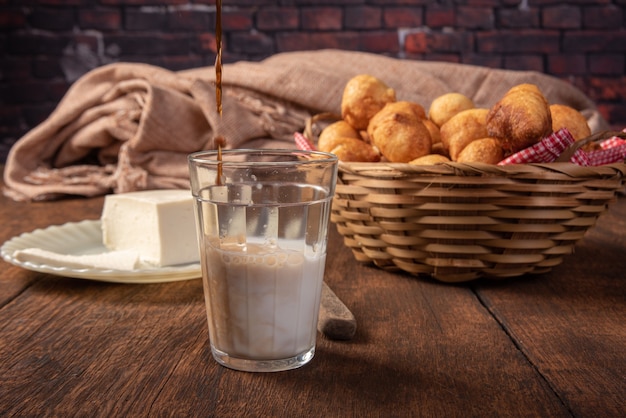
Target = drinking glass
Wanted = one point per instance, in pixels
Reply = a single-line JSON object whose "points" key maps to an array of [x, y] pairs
{"points": [[262, 219]]}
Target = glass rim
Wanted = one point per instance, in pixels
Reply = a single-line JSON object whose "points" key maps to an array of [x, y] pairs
{"points": [[313, 157]]}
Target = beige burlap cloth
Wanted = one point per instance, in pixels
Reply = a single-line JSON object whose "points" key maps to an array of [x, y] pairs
{"points": [[125, 127]]}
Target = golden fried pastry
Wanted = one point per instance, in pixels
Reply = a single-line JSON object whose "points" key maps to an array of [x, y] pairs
{"points": [[483, 150], [339, 129], [520, 118], [398, 132], [351, 150], [430, 159], [363, 96], [448, 105], [564, 116], [463, 128], [435, 135], [406, 107]]}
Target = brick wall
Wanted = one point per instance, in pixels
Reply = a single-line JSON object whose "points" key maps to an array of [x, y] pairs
{"points": [[48, 44]]}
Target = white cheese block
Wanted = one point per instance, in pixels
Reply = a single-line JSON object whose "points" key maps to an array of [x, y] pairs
{"points": [[158, 224]]}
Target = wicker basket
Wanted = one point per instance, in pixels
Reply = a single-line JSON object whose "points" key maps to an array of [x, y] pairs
{"points": [[458, 222]]}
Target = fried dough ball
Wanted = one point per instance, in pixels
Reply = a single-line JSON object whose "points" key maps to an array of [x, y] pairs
{"points": [[351, 149], [435, 134], [463, 128], [339, 129], [413, 108], [564, 116], [341, 139], [520, 118], [483, 150], [363, 96], [398, 132], [448, 105], [430, 159]]}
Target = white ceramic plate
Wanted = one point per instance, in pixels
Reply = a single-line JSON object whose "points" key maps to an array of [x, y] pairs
{"points": [[85, 237]]}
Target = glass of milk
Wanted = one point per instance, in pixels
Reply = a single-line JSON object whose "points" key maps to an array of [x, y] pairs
{"points": [[262, 218]]}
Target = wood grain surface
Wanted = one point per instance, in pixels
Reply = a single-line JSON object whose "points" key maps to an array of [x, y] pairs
{"points": [[549, 345]]}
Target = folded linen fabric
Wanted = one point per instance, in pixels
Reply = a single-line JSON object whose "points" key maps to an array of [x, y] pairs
{"points": [[125, 127]]}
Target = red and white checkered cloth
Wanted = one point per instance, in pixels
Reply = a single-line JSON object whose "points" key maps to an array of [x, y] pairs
{"points": [[612, 150], [302, 142]]}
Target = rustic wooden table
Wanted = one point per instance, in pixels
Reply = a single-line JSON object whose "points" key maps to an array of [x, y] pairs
{"points": [[550, 345]]}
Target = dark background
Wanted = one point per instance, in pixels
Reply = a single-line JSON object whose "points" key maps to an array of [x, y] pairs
{"points": [[47, 44]]}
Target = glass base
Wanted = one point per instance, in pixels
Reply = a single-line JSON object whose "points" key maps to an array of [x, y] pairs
{"points": [[247, 365]]}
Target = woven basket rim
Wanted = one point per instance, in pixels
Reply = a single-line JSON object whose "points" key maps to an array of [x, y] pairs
{"points": [[389, 170]]}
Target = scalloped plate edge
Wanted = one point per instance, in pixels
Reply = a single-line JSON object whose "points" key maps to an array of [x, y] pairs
{"points": [[87, 234]]}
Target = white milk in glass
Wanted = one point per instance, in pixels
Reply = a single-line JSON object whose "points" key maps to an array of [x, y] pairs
{"points": [[260, 300], [263, 268]]}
